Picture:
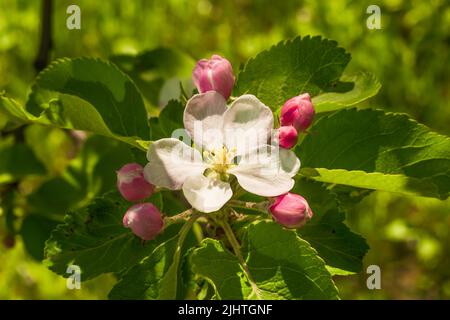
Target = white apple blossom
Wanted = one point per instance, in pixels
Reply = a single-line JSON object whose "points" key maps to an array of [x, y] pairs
{"points": [[234, 142]]}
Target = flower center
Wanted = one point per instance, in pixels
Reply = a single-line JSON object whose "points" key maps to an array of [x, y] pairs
{"points": [[221, 159]]}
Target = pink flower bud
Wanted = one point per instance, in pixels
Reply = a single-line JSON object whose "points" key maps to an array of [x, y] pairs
{"points": [[214, 74], [132, 184], [298, 112], [287, 137], [144, 219], [291, 210]]}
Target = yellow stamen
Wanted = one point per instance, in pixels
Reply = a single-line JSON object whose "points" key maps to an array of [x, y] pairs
{"points": [[221, 159]]}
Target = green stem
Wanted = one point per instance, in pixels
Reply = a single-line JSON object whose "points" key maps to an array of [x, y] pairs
{"points": [[183, 96], [237, 251], [183, 233], [239, 192], [179, 217], [258, 207], [170, 292]]}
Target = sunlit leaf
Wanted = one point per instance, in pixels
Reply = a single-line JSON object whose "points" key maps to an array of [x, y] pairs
{"points": [[95, 239], [282, 266], [376, 150], [84, 94], [342, 249], [309, 64]]}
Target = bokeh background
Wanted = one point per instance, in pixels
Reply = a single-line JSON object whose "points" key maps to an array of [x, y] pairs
{"points": [[409, 237]]}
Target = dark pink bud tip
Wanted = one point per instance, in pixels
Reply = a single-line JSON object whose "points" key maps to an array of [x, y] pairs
{"points": [[214, 74], [291, 210], [145, 220], [287, 137], [298, 112], [132, 184]]}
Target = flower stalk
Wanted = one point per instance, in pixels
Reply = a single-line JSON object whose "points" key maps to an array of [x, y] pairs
{"points": [[258, 207], [237, 251], [183, 216]]}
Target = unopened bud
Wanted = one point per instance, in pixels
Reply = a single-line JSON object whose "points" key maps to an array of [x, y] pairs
{"points": [[291, 210], [145, 220], [298, 112], [132, 184], [214, 74], [287, 137]]}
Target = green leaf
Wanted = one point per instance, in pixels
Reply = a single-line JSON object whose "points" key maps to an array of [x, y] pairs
{"points": [[347, 196], [158, 74], [142, 281], [397, 183], [166, 62], [56, 196], [363, 86], [342, 250], [17, 161], [12, 110], [221, 268], [283, 266], [188, 287], [363, 148], [292, 67], [171, 117], [170, 283], [95, 239], [52, 146], [174, 202], [35, 230], [159, 275], [169, 122], [156, 131], [84, 94], [91, 173]]}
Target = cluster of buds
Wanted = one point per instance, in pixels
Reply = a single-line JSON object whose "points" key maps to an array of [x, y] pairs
{"points": [[296, 116], [216, 74], [144, 219], [292, 210]]}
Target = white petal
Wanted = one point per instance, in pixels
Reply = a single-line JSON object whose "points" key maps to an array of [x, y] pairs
{"points": [[206, 194], [203, 119], [247, 124], [289, 162], [171, 162], [267, 171]]}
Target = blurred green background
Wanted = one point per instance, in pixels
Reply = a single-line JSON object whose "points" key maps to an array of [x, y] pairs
{"points": [[409, 237]]}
